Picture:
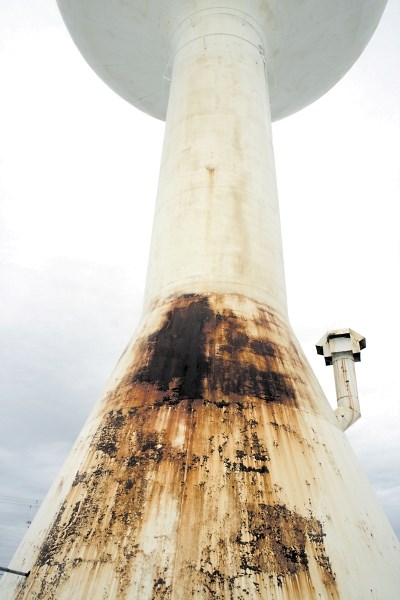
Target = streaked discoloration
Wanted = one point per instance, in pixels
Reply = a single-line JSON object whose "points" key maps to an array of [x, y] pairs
{"points": [[199, 353], [213, 467], [176, 491]]}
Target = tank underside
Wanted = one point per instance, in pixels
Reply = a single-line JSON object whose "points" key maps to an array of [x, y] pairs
{"points": [[310, 44]]}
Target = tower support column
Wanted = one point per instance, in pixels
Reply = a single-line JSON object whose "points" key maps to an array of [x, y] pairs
{"points": [[217, 227]]}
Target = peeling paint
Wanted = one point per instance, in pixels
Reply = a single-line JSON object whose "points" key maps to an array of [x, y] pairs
{"points": [[198, 353], [176, 489]]}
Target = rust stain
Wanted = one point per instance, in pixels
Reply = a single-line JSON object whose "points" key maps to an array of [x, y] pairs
{"points": [[198, 353], [175, 495], [275, 542]]}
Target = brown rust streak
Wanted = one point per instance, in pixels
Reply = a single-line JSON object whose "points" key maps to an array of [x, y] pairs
{"points": [[109, 499], [244, 536], [185, 429], [198, 353]]}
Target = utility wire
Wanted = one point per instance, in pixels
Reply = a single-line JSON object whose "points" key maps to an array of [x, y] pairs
{"points": [[17, 501]]}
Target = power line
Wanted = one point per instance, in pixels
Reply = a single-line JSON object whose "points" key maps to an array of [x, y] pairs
{"points": [[18, 501]]}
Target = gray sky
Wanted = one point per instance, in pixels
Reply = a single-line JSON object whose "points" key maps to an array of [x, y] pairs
{"points": [[78, 179]]}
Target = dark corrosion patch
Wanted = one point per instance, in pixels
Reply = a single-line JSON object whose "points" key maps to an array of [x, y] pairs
{"points": [[177, 351], [161, 590], [108, 436], [279, 542], [274, 545], [109, 497], [200, 354]]}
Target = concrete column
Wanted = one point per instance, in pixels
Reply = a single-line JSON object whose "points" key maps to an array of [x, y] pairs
{"points": [[216, 227]]}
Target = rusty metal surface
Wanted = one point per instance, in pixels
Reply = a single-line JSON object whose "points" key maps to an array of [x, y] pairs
{"points": [[203, 476]]}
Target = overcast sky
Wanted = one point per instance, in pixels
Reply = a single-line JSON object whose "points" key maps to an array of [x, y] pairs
{"points": [[78, 179]]}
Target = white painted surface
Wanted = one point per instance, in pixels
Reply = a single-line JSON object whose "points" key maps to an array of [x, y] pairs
{"points": [[348, 408], [216, 226], [311, 44], [341, 348]]}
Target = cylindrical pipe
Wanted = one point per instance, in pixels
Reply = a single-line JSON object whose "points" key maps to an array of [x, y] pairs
{"points": [[348, 409]]}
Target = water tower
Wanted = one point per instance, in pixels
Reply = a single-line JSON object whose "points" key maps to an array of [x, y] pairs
{"points": [[213, 466]]}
